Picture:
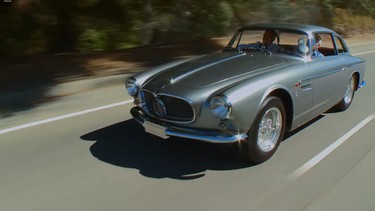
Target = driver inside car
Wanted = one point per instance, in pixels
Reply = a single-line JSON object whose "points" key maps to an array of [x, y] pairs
{"points": [[268, 44]]}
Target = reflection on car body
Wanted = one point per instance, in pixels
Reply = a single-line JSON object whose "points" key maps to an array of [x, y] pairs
{"points": [[248, 93]]}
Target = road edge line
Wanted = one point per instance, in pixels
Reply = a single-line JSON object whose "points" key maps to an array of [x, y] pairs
{"points": [[363, 53], [53, 119], [327, 151]]}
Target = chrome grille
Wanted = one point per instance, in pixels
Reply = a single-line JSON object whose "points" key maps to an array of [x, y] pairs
{"points": [[176, 109]]}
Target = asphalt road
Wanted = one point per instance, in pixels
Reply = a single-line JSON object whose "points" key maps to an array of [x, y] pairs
{"points": [[82, 152]]}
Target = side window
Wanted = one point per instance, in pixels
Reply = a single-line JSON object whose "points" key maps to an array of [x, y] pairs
{"points": [[251, 37], [295, 44], [324, 45], [340, 45]]}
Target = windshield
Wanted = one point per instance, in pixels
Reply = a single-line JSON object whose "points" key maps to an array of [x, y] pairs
{"points": [[273, 41]]}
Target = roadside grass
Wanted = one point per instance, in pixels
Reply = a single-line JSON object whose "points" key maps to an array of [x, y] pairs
{"points": [[348, 23]]}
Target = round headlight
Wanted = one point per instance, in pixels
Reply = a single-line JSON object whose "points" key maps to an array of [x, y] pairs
{"points": [[220, 107], [132, 86]]}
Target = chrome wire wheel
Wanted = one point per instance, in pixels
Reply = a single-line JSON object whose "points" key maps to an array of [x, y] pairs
{"points": [[270, 129], [348, 97], [266, 132]]}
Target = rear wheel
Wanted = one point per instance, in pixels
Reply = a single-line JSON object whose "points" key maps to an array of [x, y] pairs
{"points": [[348, 96], [266, 133]]}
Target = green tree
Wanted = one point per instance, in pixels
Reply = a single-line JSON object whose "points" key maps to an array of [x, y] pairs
{"points": [[51, 26]]}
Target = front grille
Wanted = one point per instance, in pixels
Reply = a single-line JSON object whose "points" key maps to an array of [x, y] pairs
{"points": [[176, 109]]}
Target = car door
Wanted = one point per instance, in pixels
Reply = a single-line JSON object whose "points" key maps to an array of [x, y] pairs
{"points": [[328, 75]]}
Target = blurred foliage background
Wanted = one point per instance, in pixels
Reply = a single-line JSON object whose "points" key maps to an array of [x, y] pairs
{"points": [[32, 27]]}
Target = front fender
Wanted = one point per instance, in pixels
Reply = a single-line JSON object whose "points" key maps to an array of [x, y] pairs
{"points": [[247, 97]]}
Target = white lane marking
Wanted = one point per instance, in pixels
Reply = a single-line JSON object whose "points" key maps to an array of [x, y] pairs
{"points": [[368, 52], [319, 157], [32, 124]]}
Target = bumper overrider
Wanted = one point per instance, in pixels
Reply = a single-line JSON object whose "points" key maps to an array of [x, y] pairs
{"points": [[164, 130]]}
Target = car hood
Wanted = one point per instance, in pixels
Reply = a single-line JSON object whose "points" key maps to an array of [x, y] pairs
{"points": [[215, 68]]}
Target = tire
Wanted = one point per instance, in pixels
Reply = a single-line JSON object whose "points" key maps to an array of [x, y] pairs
{"points": [[348, 96], [266, 133]]}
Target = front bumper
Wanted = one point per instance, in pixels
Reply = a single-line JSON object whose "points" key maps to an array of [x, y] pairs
{"points": [[165, 131]]}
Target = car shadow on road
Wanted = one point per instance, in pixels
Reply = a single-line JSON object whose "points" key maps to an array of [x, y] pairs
{"points": [[125, 144]]}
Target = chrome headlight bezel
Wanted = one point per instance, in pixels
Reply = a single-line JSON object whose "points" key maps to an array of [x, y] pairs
{"points": [[220, 107], [132, 86]]}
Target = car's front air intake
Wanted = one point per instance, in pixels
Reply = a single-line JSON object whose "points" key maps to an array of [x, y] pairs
{"points": [[166, 107]]}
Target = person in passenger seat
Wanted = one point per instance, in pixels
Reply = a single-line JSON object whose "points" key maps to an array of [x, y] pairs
{"points": [[316, 46]]}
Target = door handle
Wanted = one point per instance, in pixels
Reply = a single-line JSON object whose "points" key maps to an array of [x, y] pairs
{"points": [[304, 85]]}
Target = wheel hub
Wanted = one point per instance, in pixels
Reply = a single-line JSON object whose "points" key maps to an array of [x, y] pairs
{"points": [[349, 91], [269, 130]]}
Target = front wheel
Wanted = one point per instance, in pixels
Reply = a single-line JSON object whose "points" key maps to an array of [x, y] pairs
{"points": [[266, 133]]}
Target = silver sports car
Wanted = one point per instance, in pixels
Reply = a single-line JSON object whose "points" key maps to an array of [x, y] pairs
{"points": [[269, 79]]}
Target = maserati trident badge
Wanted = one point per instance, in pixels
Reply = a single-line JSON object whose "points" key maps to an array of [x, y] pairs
{"points": [[159, 107]]}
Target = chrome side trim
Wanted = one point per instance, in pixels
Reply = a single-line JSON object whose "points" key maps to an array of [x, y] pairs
{"points": [[201, 135]]}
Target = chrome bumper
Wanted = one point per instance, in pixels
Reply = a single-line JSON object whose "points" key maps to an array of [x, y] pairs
{"points": [[202, 135]]}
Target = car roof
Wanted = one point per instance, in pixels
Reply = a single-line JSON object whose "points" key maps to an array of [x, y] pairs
{"points": [[289, 26]]}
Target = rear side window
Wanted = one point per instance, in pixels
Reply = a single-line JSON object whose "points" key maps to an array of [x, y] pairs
{"points": [[340, 45]]}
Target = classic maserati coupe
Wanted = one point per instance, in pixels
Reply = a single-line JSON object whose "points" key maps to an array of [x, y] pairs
{"points": [[269, 79]]}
